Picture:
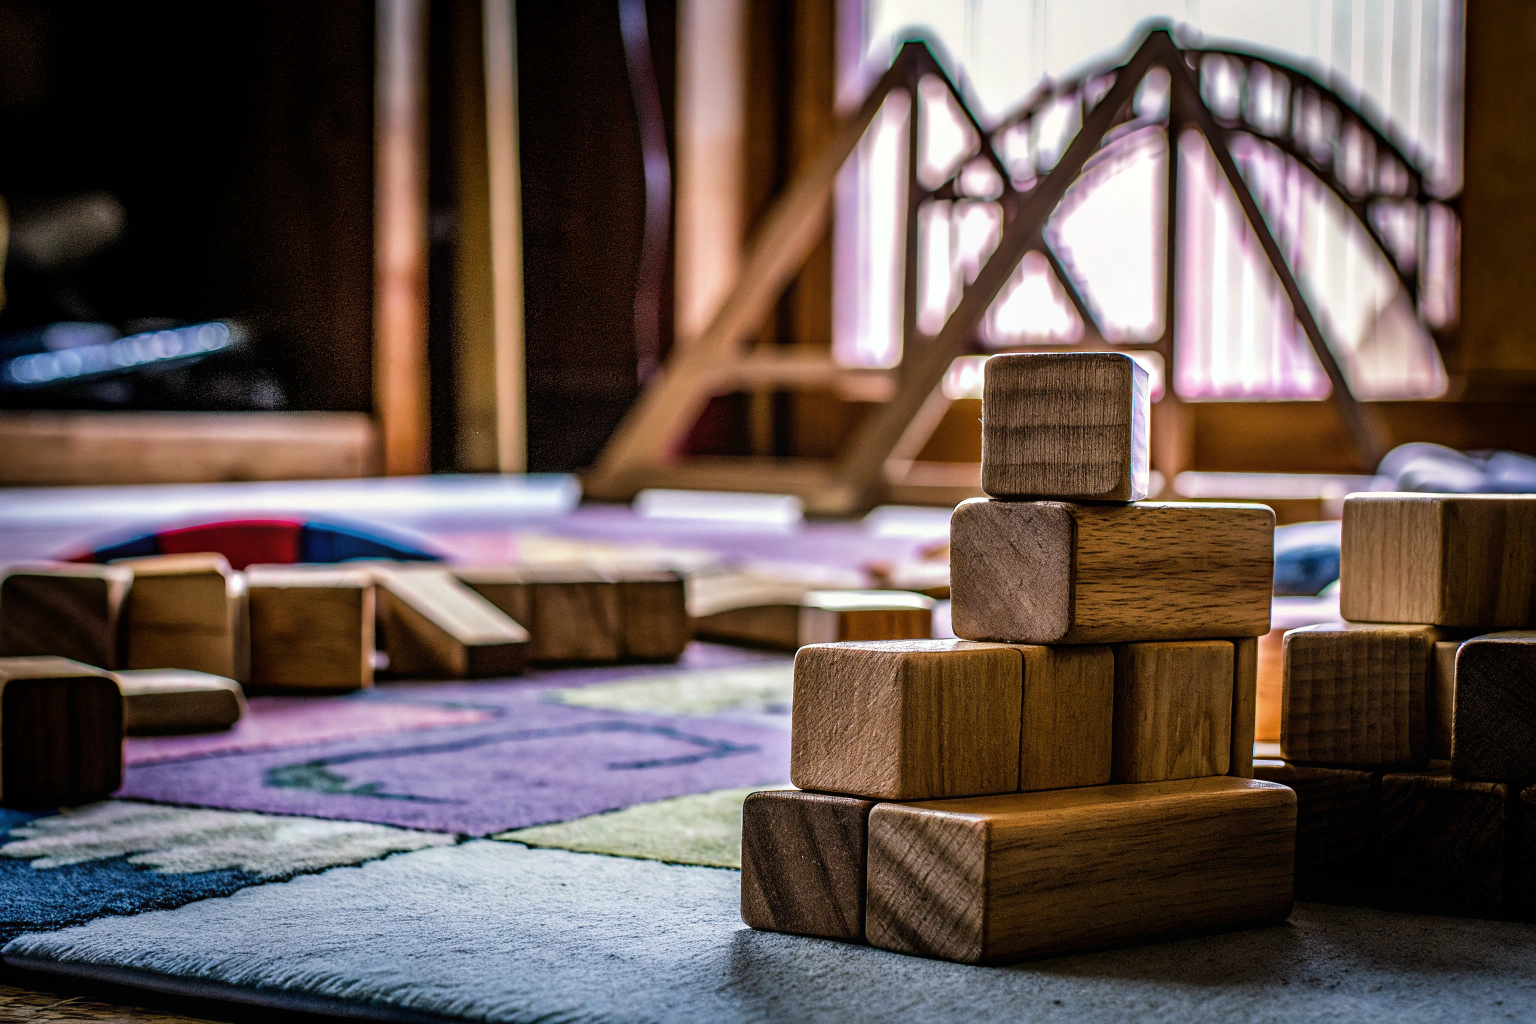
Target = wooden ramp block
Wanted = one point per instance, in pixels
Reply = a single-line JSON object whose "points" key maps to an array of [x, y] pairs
{"points": [[654, 610], [1173, 710], [1245, 690], [995, 879], [1337, 829], [311, 629], [166, 701], [1443, 707], [906, 719], [182, 613], [834, 616], [434, 627], [802, 863], [1442, 843], [1047, 572], [1465, 560], [1494, 731], [64, 609], [61, 733], [1357, 693], [1066, 425], [1068, 720]]}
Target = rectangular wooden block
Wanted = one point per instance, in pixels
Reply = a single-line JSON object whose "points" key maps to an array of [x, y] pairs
{"points": [[64, 609], [1443, 707], [1521, 881], [654, 610], [906, 719], [1464, 560], [746, 608], [1357, 693], [434, 627], [158, 702], [836, 616], [311, 629], [1047, 572], [1245, 694], [1442, 843], [61, 733], [182, 614], [802, 863], [1337, 829], [1173, 710], [1067, 425], [995, 879], [1494, 731], [1068, 719]]}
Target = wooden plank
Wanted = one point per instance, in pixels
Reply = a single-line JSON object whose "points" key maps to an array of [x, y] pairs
{"points": [[1072, 426], [1068, 717], [1442, 843], [775, 627], [181, 614], [906, 719], [64, 609], [432, 626], [654, 610], [1040, 572], [831, 616], [1245, 686], [996, 879], [163, 701], [1173, 710], [747, 608], [61, 733], [311, 629], [1443, 707], [1357, 694], [1494, 731], [505, 183], [802, 863], [1465, 560]]}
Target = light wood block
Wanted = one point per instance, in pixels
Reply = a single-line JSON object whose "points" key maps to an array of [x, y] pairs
{"points": [[654, 610], [160, 702], [434, 627], [1520, 886], [1442, 843], [182, 613], [64, 609], [1494, 732], [775, 627], [1443, 707], [995, 879], [1068, 719], [1245, 699], [802, 863], [835, 616], [1465, 560], [1357, 693], [749, 609], [311, 629], [1047, 572], [1173, 710], [61, 733], [906, 719], [1337, 828], [1066, 425]]}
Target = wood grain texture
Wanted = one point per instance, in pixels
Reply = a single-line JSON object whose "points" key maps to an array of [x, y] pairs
{"points": [[159, 702], [434, 627], [181, 614], [996, 879], [1494, 715], [747, 608], [835, 616], [63, 609], [1465, 560], [1245, 686], [310, 629], [1337, 828], [1048, 572], [1520, 885], [1442, 843], [1443, 707], [906, 719], [802, 863], [1357, 693], [1065, 425], [654, 610], [61, 733], [1068, 718], [578, 616], [1173, 710]]}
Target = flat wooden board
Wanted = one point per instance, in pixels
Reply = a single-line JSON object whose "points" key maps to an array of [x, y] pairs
{"points": [[802, 863], [1173, 710], [1494, 714], [165, 701]]}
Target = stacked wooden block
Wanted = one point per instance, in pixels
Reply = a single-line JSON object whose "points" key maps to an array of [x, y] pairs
{"points": [[1076, 772], [1409, 730]]}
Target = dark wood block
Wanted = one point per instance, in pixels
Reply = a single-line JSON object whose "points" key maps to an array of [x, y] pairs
{"points": [[64, 609], [802, 863], [654, 610], [158, 702], [1337, 829], [61, 733], [1494, 718], [1442, 844]]}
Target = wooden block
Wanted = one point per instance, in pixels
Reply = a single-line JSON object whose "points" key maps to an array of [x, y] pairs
{"points": [[1443, 707], [834, 616], [1271, 683], [61, 733], [1521, 882], [1464, 560], [775, 627], [1442, 843], [1494, 731], [577, 617], [182, 614], [1337, 828], [1173, 710], [1068, 720], [311, 629], [995, 879], [1046, 572], [1066, 425], [159, 702], [802, 863], [747, 608], [654, 610], [906, 719], [1357, 693], [64, 609], [434, 627], [1245, 698]]}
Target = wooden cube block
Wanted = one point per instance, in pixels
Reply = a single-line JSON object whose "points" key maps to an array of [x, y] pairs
{"points": [[1521, 882], [1494, 735], [434, 627], [802, 863], [834, 616], [1245, 687], [1173, 710], [1337, 829], [1357, 693], [1067, 425], [1442, 843], [1443, 559], [311, 629], [996, 879], [164, 701], [64, 609], [182, 614], [61, 733], [654, 610], [1046, 572], [1068, 719], [906, 719], [1443, 706]]}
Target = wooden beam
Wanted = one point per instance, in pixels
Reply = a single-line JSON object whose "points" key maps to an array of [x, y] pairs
{"points": [[506, 210]]}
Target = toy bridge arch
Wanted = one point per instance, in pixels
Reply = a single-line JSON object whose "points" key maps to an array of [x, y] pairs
{"points": [[1323, 132]]}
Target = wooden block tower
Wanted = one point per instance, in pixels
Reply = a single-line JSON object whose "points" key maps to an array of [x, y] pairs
{"points": [[1076, 772]]}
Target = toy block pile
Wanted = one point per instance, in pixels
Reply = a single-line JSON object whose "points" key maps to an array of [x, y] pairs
{"points": [[1409, 730], [1076, 771]]}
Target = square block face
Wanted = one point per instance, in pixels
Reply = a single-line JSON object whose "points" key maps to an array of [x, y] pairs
{"points": [[655, 616], [578, 620], [802, 863], [1173, 710], [181, 614], [1443, 843], [69, 611], [1068, 720], [1337, 829], [1494, 717], [312, 631], [906, 719], [1072, 426], [61, 740]]}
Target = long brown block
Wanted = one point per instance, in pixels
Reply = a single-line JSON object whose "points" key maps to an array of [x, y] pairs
{"points": [[654, 610], [1173, 710], [1065, 425], [1047, 572], [1494, 735], [1337, 829], [1442, 843], [1443, 707], [802, 863], [906, 719], [1465, 560], [64, 609], [748, 608], [995, 879], [1068, 719], [837, 616], [61, 733], [182, 614], [1245, 687], [1357, 693], [159, 702], [311, 629], [434, 627], [1521, 882]]}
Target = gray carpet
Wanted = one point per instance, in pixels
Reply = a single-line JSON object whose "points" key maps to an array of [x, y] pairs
{"points": [[496, 931]]}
